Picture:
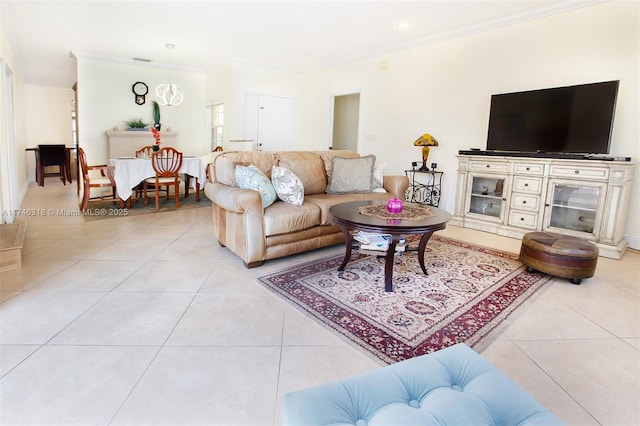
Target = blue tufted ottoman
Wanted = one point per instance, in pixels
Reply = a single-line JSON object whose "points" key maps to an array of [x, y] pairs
{"points": [[454, 386]]}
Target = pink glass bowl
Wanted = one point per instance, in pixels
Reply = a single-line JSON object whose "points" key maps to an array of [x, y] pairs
{"points": [[394, 205]]}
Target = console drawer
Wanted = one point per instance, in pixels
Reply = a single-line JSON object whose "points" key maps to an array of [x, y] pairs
{"points": [[528, 169], [527, 184], [523, 219], [522, 201], [489, 166], [577, 172]]}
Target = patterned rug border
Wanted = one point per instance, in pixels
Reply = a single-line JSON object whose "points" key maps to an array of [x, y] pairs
{"points": [[478, 338]]}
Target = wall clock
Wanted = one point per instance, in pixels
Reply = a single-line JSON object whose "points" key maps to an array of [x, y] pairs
{"points": [[140, 90]]}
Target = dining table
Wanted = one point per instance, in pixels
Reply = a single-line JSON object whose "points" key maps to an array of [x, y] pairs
{"points": [[130, 171]]}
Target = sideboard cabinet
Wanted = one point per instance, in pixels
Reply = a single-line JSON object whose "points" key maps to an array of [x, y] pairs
{"points": [[514, 195]]}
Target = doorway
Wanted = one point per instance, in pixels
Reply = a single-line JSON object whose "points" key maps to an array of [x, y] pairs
{"points": [[346, 117]]}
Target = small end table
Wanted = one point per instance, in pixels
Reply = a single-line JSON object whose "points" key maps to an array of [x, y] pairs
{"points": [[421, 192]]}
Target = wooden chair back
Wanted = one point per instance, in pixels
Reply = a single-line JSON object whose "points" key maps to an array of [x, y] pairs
{"points": [[145, 151], [52, 155], [166, 162], [82, 157]]}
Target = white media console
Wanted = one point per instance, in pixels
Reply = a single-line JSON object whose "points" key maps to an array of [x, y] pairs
{"points": [[514, 195]]}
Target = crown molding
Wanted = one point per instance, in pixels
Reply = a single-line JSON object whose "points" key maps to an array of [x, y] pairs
{"points": [[124, 61]]}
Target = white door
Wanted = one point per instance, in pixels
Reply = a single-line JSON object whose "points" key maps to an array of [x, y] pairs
{"points": [[275, 123]]}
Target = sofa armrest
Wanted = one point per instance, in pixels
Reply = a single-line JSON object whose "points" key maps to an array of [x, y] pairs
{"points": [[238, 221], [234, 199], [396, 185]]}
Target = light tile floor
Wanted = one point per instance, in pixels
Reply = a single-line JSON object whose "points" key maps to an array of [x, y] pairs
{"points": [[146, 320]]}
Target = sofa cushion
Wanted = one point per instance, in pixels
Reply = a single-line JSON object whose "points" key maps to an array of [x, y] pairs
{"points": [[225, 164], [251, 177], [282, 218], [308, 167], [287, 185], [325, 201], [351, 175]]}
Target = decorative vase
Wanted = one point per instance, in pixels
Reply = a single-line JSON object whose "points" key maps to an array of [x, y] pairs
{"points": [[394, 205], [155, 147], [157, 126]]}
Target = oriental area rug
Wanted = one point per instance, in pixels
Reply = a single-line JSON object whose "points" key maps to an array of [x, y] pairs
{"points": [[469, 293]]}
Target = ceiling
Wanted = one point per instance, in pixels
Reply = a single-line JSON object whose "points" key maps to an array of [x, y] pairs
{"points": [[297, 36]]}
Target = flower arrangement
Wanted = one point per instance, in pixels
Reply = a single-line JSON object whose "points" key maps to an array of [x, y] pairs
{"points": [[156, 136]]}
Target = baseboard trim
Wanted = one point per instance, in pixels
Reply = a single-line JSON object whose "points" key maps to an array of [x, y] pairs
{"points": [[633, 242]]}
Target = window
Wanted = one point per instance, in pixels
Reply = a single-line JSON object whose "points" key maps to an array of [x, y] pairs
{"points": [[217, 124]]}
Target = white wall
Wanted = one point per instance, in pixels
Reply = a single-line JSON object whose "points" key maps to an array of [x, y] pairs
{"points": [[445, 88], [105, 101], [19, 179], [232, 82]]}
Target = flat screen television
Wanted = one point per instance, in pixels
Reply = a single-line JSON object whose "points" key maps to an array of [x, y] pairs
{"points": [[573, 119]]}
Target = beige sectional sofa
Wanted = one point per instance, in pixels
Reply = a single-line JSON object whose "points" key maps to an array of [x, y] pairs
{"points": [[256, 233]]}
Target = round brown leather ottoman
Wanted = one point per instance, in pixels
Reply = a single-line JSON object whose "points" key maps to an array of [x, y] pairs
{"points": [[559, 255]]}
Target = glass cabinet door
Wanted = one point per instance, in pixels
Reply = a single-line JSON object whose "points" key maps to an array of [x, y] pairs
{"points": [[575, 207], [486, 196]]}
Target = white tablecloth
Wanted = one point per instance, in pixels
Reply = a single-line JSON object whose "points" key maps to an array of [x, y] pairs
{"points": [[129, 172]]}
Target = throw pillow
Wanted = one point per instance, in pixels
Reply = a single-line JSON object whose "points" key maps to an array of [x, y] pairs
{"points": [[287, 185], [378, 173], [251, 177], [351, 175]]}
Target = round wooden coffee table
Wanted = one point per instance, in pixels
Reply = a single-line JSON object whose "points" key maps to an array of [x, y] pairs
{"points": [[347, 217]]}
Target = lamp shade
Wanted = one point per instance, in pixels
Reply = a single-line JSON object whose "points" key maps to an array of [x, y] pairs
{"points": [[426, 140]]}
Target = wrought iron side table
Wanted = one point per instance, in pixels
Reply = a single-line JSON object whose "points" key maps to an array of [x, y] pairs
{"points": [[426, 192]]}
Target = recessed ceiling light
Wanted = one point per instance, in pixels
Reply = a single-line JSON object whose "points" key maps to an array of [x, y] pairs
{"points": [[404, 25]]}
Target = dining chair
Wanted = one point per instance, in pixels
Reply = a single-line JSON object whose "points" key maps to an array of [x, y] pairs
{"points": [[52, 156], [104, 180], [166, 163]]}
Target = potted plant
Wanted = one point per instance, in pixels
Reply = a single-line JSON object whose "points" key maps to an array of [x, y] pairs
{"points": [[136, 124], [156, 115]]}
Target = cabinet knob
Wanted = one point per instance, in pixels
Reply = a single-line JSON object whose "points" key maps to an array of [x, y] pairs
{"points": [[522, 219], [526, 184], [524, 201], [577, 172], [488, 165], [528, 168]]}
